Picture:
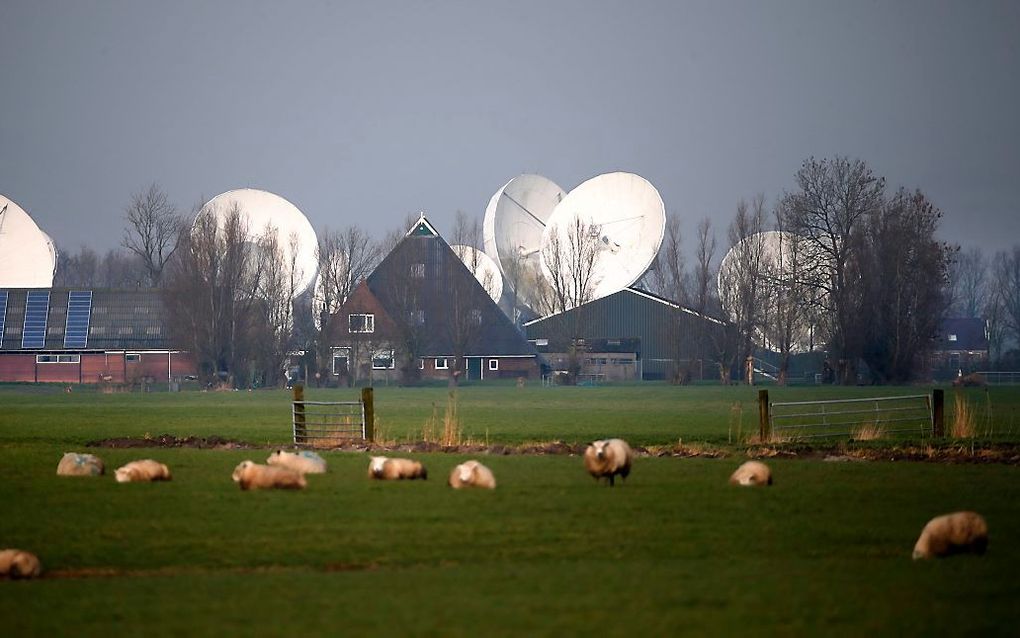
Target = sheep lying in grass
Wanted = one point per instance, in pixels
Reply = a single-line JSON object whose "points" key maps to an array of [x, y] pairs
{"points": [[472, 474], [142, 471], [305, 462], [15, 563], [388, 469], [608, 458], [74, 464], [956, 533], [752, 473], [252, 476]]}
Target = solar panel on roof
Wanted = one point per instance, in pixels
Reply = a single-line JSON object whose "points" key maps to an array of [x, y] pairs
{"points": [[37, 308], [79, 307], [3, 314]]}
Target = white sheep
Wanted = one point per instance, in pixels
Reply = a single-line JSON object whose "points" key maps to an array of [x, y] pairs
{"points": [[472, 474], [388, 469], [608, 458], [74, 464], [752, 473], [252, 476], [15, 563], [305, 462], [955, 533], [142, 471]]}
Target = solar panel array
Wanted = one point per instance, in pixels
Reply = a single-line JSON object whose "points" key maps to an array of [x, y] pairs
{"points": [[3, 313], [37, 307], [79, 307]]}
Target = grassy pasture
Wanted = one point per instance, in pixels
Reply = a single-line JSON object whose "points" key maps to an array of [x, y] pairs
{"points": [[673, 551]]}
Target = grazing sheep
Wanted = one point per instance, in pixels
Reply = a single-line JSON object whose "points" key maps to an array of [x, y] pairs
{"points": [[74, 464], [142, 471], [15, 563], [752, 473], [954, 533], [305, 462], [472, 474], [252, 476], [608, 458], [388, 469]]}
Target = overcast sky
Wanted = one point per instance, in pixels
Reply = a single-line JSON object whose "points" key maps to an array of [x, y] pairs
{"points": [[362, 112]]}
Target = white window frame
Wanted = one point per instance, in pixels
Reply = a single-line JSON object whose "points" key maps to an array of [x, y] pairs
{"points": [[368, 323], [418, 270], [58, 358], [132, 357], [338, 353], [421, 364], [446, 363], [493, 364], [952, 337], [376, 355]]}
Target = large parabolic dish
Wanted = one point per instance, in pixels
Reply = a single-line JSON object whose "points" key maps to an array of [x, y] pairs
{"points": [[630, 219], [28, 258], [515, 218], [261, 210], [483, 268]]}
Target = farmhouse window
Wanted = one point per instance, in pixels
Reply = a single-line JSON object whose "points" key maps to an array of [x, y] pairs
{"points": [[361, 323], [442, 363], [418, 271], [341, 361], [493, 364], [383, 360]]}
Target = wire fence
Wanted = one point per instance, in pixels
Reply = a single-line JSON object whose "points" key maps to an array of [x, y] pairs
{"points": [[861, 419]]}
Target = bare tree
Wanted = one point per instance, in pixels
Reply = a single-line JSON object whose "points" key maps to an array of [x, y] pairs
{"points": [[669, 276], [1007, 291], [829, 209], [153, 230], [969, 283], [464, 316], [702, 296], [571, 256], [788, 322], [742, 290]]}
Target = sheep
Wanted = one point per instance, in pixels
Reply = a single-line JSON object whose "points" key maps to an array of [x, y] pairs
{"points": [[252, 476], [304, 462], [608, 458], [15, 563], [74, 464], [752, 473], [142, 471], [954, 533], [472, 474], [388, 469]]}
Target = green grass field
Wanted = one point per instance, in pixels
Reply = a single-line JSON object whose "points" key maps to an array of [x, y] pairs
{"points": [[675, 550]]}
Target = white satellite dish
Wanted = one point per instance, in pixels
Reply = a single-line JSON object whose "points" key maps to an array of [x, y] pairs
{"points": [[774, 252], [630, 218], [513, 225], [483, 268], [28, 257], [261, 209]]}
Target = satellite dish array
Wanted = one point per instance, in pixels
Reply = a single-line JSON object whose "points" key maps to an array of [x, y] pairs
{"points": [[28, 257], [530, 214]]}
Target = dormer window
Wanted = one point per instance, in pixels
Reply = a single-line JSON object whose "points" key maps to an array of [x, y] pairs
{"points": [[418, 271], [952, 337]]}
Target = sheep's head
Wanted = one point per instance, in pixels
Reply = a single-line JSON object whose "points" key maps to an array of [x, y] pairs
{"points": [[464, 471], [123, 475], [376, 464], [600, 449], [239, 470]]}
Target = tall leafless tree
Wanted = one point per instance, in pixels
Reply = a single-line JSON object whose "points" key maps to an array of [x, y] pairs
{"points": [[571, 257], [969, 283], [742, 289], [153, 230], [1007, 291], [669, 275]]}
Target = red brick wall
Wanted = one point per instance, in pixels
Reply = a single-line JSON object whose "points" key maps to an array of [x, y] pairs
{"points": [[57, 372], [17, 367]]}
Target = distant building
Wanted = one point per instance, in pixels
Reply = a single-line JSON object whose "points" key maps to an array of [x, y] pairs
{"points": [[66, 335], [960, 346], [422, 314], [665, 340]]}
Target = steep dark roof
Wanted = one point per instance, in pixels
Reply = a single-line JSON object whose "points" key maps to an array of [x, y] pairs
{"points": [[962, 333], [422, 273], [119, 319]]}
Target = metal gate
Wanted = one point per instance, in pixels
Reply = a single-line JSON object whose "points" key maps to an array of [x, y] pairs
{"points": [[873, 417], [327, 423]]}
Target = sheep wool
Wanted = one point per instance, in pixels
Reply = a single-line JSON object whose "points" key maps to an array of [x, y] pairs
{"points": [[305, 462], [252, 476], [15, 563], [752, 473], [387, 469], [956, 533], [608, 458], [472, 474], [142, 471], [75, 464]]}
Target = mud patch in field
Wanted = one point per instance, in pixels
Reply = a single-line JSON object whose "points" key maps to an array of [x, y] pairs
{"points": [[170, 441]]}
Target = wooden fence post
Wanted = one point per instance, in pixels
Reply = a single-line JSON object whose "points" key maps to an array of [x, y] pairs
{"points": [[938, 412], [368, 402], [299, 414], [764, 425]]}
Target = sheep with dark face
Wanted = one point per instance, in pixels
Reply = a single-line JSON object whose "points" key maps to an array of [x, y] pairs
{"points": [[75, 464], [472, 474], [252, 476], [305, 462], [956, 533], [142, 471], [752, 473], [608, 458], [15, 563], [387, 469]]}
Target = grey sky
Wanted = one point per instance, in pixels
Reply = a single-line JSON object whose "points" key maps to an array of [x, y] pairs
{"points": [[360, 113]]}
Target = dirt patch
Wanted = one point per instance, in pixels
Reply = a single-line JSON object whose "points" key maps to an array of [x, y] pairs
{"points": [[171, 441]]}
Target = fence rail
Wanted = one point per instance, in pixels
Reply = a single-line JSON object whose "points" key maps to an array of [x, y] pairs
{"points": [[870, 417], [1001, 378], [329, 423]]}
